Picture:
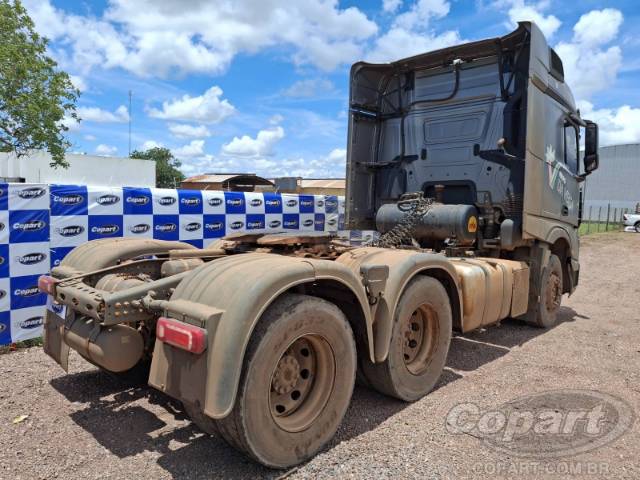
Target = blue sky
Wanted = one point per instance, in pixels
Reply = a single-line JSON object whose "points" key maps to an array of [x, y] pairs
{"points": [[261, 85]]}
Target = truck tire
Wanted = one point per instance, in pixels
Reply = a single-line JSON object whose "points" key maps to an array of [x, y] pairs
{"points": [[419, 342], [637, 227], [296, 384], [550, 294]]}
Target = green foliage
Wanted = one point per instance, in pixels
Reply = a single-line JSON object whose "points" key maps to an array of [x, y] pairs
{"points": [[167, 173], [35, 96]]}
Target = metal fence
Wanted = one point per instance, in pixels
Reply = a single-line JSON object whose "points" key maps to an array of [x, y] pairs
{"points": [[604, 218]]}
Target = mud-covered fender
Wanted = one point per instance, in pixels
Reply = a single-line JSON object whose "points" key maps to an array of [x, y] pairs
{"points": [[107, 252], [403, 266], [241, 287]]}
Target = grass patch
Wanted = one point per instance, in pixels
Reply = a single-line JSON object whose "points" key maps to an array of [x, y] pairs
{"points": [[587, 228], [34, 342]]}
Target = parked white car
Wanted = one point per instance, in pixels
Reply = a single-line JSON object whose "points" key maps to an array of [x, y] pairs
{"points": [[632, 220]]}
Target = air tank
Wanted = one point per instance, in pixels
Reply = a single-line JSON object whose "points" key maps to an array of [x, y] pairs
{"points": [[459, 222]]}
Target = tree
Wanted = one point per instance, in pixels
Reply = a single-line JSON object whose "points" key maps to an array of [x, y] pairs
{"points": [[167, 173], [35, 96]]}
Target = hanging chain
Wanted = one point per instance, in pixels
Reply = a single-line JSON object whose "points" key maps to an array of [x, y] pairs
{"points": [[416, 206]]}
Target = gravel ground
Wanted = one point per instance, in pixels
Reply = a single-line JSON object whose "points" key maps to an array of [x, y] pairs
{"points": [[85, 425]]}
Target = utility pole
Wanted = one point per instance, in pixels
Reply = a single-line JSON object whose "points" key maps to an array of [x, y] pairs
{"points": [[130, 95]]}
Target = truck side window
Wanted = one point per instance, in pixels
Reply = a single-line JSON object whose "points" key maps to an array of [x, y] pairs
{"points": [[571, 147]]}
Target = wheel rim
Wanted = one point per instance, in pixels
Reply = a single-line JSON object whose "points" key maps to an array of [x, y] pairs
{"points": [[420, 331], [554, 292], [302, 382]]}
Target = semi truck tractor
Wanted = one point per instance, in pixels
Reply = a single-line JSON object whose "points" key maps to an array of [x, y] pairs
{"points": [[467, 160]]}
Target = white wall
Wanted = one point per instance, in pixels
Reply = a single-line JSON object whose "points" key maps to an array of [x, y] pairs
{"points": [[83, 170]]}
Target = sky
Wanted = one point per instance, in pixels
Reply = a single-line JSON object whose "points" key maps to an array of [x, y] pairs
{"points": [[261, 86]]}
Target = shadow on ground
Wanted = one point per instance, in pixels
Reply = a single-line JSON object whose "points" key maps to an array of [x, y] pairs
{"points": [[117, 418]]}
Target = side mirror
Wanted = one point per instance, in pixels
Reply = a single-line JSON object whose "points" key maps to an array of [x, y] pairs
{"points": [[591, 160]]}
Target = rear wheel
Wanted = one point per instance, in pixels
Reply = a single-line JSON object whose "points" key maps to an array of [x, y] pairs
{"points": [[637, 227], [296, 383], [419, 342]]}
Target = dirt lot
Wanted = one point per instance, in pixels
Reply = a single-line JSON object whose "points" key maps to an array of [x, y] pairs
{"points": [[84, 425]]}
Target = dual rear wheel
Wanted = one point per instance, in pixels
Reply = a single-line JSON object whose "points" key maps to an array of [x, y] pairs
{"points": [[300, 366]]}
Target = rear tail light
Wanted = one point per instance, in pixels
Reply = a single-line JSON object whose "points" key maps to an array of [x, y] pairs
{"points": [[46, 284], [182, 335]]}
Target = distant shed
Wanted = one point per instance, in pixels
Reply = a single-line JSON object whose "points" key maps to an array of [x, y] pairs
{"points": [[235, 182], [311, 186]]}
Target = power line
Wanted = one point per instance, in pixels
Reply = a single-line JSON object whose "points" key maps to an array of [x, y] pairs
{"points": [[130, 95]]}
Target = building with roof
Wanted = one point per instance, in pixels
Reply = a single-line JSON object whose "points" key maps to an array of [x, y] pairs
{"points": [[616, 183], [83, 170], [311, 186], [235, 182]]}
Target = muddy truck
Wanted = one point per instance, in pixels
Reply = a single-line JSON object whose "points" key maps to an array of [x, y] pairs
{"points": [[466, 160]]}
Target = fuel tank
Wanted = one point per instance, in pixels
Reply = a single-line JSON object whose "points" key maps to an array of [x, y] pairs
{"points": [[116, 348], [439, 223]]}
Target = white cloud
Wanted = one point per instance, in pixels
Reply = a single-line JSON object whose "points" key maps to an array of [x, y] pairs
{"points": [[90, 138], [310, 87], [149, 144], [148, 37], [391, 6], [183, 130], [260, 146], [78, 82], [598, 27], [195, 148], [411, 33], [519, 10], [95, 114], [206, 108], [106, 150], [617, 125], [589, 65]]}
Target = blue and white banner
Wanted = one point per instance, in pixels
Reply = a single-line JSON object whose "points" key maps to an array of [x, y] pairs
{"points": [[41, 224]]}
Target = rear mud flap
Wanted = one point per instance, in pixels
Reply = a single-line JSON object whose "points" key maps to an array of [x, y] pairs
{"points": [[53, 344]]}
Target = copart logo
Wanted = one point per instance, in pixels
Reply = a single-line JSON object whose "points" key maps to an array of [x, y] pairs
{"points": [[69, 199], [256, 202], [105, 229], [140, 228], [3, 293], [308, 222], [331, 203], [189, 202], [255, 224], [215, 202], [108, 199], [1, 226], [166, 201], [235, 202], [32, 192], [31, 258], [26, 292], [3, 327], [192, 227], [138, 200], [306, 203], [272, 202], [550, 424], [70, 231], [166, 227], [275, 223], [31, 226], [236, 225], [214, 226], [33, 322], [292, 203]]}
